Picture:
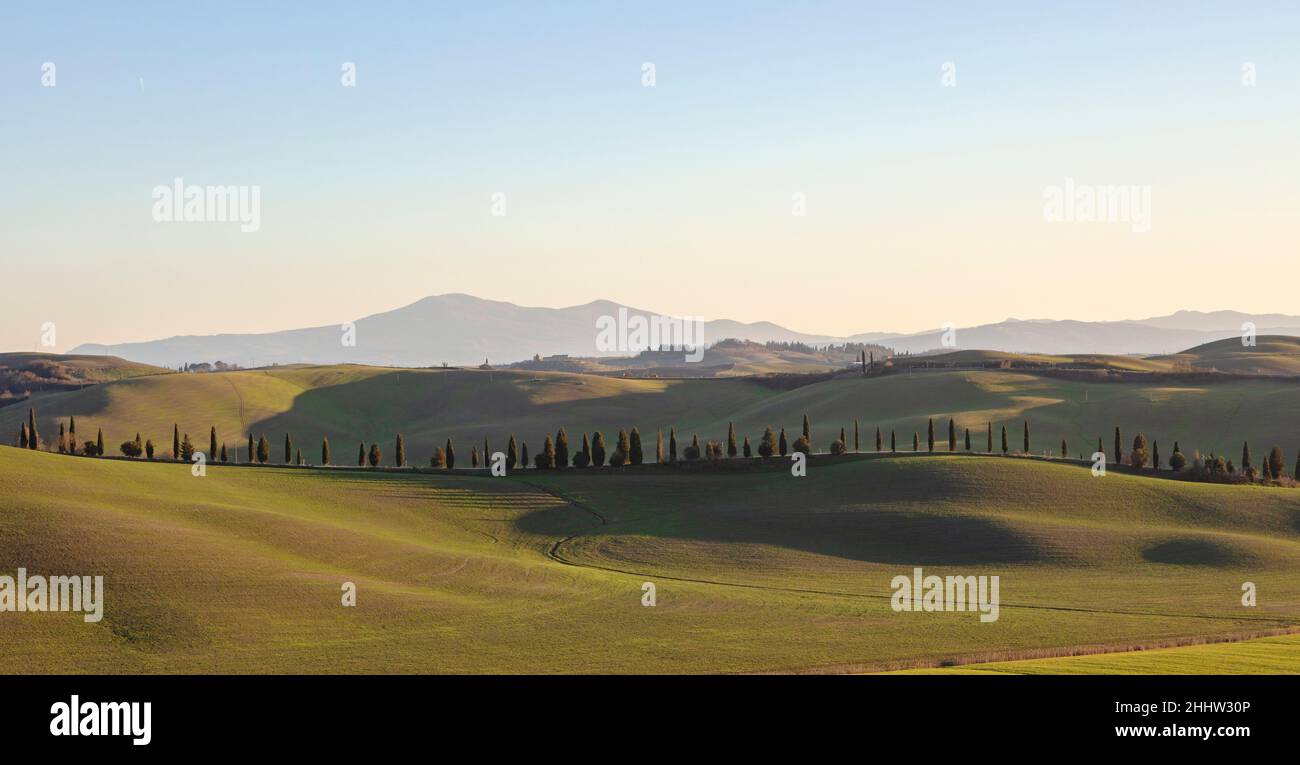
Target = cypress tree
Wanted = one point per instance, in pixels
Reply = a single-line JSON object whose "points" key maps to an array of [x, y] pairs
{"points": [[63, 440], [1064, 451], [672, 445], [1155, 455], [1275, 463], [1026, 436], [597, 449], [399, 458], [634, 453], [1004, 439], [1245, 456], [968, 439], [33, 435], [485, 450], [586, 450], [22, 437], [807, 429], [251, 453], [731, 439], [561, 449], [916, 442], [148, 448], [842, 439], [892, 444], [989, 449], [288, 449], [450, 454], [263, 450], [473, 456], [298, 458], [375, 455], [223, 452], [855, 436], [99, 443], [659, 446], [879, 446], [547, 458], [361, 455], [767, 446], [782, 445], [512, 453], [746, 449], [952, 435], [622, 451], [325, 451], [72, 433], [212, 442], [439, 459], [1119, 453], [176, 441], [523, 454]]}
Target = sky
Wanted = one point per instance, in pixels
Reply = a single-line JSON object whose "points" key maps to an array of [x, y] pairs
{"points": [[833, 167]]}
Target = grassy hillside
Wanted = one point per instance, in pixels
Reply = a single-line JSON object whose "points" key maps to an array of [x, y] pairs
{"points": [[1271, 355], [22, 373], [352, 403], [1274, 655], [240, 570]]}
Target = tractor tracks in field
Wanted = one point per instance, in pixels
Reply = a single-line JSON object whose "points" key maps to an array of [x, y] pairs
{"points": [[554, 552]]}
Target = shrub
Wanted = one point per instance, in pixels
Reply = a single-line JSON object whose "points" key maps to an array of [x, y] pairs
{"points": [[801, 445], [838, 447]]}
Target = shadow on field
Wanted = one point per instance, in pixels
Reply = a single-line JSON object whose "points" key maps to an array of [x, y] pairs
{"points": [[1193, 552]]}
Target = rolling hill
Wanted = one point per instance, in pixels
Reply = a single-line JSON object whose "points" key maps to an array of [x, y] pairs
{"points": [[241, 570], [351, 404]]}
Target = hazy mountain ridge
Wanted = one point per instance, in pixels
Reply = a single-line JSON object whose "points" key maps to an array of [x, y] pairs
{"points": [[459, 329]]}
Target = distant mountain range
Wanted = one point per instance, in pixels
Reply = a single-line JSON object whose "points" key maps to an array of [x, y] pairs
{"points": [[459, 329]]}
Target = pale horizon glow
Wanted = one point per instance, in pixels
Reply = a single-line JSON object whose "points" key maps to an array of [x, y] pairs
{"points": [[924, 202]]}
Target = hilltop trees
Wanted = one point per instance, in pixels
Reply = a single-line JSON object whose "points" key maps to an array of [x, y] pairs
{"points": [[1275, 463], [768, 446], [597, 449], [1138, 457], [1176, 460], [561, 449], [635, 455], [399, 449]]}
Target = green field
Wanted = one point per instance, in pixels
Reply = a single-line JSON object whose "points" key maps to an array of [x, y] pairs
{"points": [[240, 570], [1276, 655], [351, 404]]}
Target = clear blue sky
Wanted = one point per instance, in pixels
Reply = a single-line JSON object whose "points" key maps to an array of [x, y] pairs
{"points": [[924, 202]]}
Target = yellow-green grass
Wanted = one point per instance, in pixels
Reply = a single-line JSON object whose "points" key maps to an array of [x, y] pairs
{"points": [[241, 570], [1270, 355], [350, 404], [1274, 655], [979, 357]]}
